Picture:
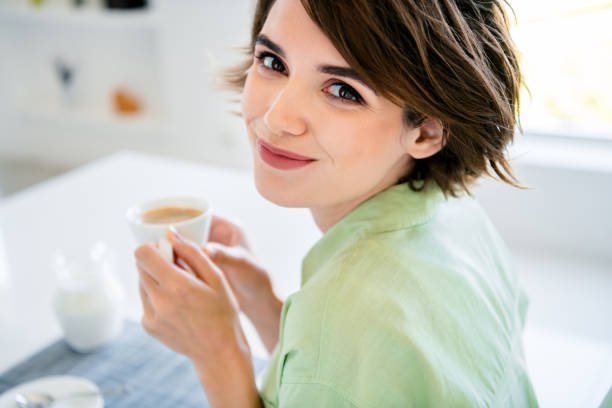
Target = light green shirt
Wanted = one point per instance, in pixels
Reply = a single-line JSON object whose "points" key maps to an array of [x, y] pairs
{"points": [[410, 300]]}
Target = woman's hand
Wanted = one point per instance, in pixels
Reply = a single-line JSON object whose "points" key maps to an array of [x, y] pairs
{"points": [[226, 232], [250, 283], [228, 249], [196, 314]]}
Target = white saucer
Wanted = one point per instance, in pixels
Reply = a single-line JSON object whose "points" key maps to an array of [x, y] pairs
{"points": [[56, 386]]}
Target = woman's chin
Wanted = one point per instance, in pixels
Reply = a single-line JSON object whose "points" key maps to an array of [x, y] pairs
{"points": [[277, 193]]}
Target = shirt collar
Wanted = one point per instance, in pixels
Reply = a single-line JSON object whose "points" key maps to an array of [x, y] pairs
{"points": [[395, 208]]}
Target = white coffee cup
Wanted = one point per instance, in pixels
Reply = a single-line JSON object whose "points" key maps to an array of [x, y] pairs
{"points": [[195, 229]]}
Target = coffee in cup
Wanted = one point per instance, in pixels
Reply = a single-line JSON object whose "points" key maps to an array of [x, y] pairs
{"points": [[191, 216], [169, 215]]}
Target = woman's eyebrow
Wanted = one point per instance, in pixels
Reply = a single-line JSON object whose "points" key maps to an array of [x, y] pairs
{"points": [[264, 40], [326, 69]]}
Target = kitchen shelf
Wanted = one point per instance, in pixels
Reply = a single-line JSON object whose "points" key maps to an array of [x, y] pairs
{"points": [[160, 53], [86, 16], [141, 123]]}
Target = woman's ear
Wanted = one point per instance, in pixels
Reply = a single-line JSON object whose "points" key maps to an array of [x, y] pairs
{"points": [[425, 140]]}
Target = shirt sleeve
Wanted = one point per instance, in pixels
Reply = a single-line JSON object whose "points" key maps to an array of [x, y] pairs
{"points": [[310, 394]]}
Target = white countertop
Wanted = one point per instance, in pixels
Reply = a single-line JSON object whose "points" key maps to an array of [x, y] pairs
{"points": [[74, 210]]}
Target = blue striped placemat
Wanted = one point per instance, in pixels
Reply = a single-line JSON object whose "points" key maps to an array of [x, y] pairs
{"points": [[155, 375]]}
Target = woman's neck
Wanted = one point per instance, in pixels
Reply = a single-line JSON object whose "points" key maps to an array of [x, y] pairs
{"points": [[326, 217]]}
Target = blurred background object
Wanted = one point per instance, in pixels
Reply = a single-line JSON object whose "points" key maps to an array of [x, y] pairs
{"points": [[78, 82], [125, 4], [125, 103]]}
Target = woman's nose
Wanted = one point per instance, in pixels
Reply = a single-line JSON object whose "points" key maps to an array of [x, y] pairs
{"points": [[285, 114]]}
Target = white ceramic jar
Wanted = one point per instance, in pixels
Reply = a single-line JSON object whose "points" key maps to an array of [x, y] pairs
{"points": [[88, 300]]}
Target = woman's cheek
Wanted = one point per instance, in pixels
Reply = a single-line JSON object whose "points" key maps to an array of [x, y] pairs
{"points": [[247, 95], [255, 95], [346, 140]]}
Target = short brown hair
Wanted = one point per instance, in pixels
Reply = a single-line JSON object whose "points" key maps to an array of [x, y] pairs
{"points": [[452, 60]]}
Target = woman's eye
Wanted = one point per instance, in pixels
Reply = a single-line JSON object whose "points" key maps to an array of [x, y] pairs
{"points": [[344, 92], [270, 61]]}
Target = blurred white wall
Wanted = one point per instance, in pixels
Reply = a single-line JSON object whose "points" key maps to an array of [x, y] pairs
{"points": [[169, 57]]}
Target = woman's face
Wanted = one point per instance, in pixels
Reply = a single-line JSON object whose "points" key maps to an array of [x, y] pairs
{"points": [[301, 96]]}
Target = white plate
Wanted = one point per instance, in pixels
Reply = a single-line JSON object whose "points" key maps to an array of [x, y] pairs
{"points": [[56, 386]]}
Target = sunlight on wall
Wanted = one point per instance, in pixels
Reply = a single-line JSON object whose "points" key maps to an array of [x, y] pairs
{"points": [[566, 49]]}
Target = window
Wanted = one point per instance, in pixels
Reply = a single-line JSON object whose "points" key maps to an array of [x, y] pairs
{"points": [[566, 49]]}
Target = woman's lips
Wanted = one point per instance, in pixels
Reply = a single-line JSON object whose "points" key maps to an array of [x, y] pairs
{"points": [[282, 152], [278, 161]]}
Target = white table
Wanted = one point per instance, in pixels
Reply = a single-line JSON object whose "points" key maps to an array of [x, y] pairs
{"points": [[76, 209]]}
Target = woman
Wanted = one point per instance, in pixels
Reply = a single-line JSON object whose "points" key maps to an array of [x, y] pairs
{"points": [[377, 116]]}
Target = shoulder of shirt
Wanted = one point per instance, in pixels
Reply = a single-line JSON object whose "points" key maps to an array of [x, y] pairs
{"points": [[377, 287], [386, 279], [387, 312], [371, 259], [358, 318]]}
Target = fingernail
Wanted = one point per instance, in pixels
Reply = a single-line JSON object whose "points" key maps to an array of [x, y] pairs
{"points": [[174, 232]]}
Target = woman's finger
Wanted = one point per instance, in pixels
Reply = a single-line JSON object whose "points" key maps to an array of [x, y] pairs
{"points": [[151, 261], [146, 279], [183, 264], [166, 274], [227, 232], [223, 253], [193, 256], [224, 231], [221, 231], [147, 304]]}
